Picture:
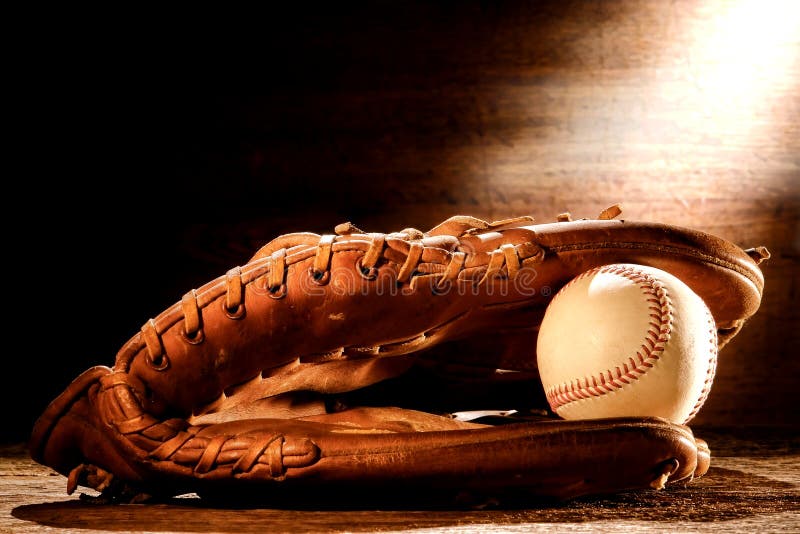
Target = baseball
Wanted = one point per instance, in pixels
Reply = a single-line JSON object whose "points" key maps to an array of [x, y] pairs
{"points": [[627, 340]]}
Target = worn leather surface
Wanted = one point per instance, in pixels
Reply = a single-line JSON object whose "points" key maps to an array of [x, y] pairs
{"points": [[252, 380]]}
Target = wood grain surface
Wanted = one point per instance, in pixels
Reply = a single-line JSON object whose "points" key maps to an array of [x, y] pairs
{"points": [[391, 116]]}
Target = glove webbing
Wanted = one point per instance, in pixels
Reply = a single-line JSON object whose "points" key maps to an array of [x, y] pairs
{"points": [[177, 442]]}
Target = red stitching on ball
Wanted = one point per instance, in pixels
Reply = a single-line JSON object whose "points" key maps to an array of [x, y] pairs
{"points": [[650, 351], [573, 281], [712, 367]]}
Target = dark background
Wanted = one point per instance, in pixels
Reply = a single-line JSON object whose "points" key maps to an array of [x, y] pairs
{"points": [[396, 115]]}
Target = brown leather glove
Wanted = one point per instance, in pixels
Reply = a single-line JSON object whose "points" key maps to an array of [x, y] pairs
{"points": [[297, 372]]}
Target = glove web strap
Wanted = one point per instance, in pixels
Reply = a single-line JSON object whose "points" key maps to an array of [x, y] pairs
{"points": [[197, 449]]}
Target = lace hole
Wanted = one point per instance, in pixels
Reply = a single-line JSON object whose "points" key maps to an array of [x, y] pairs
{"points": [[233, 313], [368, 273], [442, 288], [159, 363], [319, 277], [195, 338], [277, 292]]}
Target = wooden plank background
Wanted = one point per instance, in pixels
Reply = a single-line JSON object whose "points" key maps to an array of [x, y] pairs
{"points": [[402, 115]]}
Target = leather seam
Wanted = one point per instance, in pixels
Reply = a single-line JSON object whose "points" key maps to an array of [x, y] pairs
{"points": [[661, 248], [650, 351]]}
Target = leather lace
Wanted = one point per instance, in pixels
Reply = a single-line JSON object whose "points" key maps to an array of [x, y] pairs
{"points": [[175, 441], [270, 267]]}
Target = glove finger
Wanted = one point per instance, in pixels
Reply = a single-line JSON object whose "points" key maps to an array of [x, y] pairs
{"points": [[558, 459]]}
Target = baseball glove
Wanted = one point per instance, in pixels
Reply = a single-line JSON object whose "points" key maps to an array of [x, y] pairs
{"points": [[356, 362]]}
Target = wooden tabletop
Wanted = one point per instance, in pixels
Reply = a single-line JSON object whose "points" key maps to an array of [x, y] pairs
{"points": [[753, 485]]}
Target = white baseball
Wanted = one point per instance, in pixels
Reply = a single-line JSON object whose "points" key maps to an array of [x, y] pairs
{"points": [[627, 340]]}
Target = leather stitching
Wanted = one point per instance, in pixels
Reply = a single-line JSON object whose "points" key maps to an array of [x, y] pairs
{"points": [[650, 351]]}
